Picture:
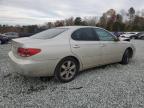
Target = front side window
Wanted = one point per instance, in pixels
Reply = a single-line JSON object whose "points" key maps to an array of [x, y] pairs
{"points": [[104, 35], [84, 34], [48, 34]]}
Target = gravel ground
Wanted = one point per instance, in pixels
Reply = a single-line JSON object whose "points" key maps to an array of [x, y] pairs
{"points": [[112, 86]]}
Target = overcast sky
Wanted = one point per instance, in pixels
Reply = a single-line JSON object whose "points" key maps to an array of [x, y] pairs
{"points": [[40, 11]]}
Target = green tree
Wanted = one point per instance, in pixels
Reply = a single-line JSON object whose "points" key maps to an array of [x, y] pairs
{"points": [[119, 18], [118, 25], [131, 13], [78, 21], [138, 24], [103, 21], [69, 21]]}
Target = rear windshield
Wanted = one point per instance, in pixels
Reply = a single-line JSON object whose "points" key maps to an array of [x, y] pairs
{"points": [[48, 34]]}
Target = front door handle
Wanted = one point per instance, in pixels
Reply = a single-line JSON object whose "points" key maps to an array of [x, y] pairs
{"points": [[76, 46]]}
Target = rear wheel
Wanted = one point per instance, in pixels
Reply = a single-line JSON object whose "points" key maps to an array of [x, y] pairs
{"points": [[66, 70], [126, 57]]}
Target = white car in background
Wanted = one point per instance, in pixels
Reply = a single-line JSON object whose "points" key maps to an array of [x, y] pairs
{"points": [[124, 39], [11, 35], [140, 35], [130, 35], [64, 51]]}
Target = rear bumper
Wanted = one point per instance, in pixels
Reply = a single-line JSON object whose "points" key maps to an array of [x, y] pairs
{"points": [[33, 68]]}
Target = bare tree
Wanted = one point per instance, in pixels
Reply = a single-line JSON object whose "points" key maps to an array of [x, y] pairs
{"points": [[91, 21], [69, 21], [49, 25], [131, 14]]}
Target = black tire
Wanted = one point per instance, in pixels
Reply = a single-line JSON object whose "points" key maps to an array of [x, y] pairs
{"points": [[63, 70], [126, 57], [0, 42]]}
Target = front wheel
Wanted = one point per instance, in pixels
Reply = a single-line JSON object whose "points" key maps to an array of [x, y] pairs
{"points": [[66, 70], [126, 57]]}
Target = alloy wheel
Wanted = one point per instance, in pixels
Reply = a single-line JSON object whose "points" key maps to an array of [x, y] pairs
{"points": [[68, 70]]}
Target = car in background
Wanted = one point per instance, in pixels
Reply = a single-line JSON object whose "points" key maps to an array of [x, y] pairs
{"points": [[64, 51], [135, 35], [117, 33], [131, 35], [124, 38], [140, 35], [11, 35], [3, 39]]}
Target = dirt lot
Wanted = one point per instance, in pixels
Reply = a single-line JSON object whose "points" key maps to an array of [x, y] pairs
{"points": [[113, 86]]}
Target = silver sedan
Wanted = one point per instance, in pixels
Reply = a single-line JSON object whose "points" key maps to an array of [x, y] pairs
{"points": [[64, 51]]}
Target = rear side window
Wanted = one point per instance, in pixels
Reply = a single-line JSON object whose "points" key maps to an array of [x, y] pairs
{"points": [[84, 34], [48, 34], [104, 35]]}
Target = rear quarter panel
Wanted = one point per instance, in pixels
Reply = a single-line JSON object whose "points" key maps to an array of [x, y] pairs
{"points": [[55, 48]]}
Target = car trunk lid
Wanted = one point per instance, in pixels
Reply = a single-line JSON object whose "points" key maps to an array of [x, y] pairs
{"points": [[24, 43]]}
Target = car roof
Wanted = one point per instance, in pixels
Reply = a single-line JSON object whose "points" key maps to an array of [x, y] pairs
{"points": [[76, 27]]}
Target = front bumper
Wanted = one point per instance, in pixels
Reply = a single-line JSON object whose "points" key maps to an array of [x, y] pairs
{"points": [[33, 68]]}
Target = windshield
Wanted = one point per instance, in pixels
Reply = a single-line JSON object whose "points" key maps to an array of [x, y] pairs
{"points": [[48, 34]]}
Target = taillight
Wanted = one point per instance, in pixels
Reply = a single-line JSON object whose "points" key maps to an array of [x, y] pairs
{"points": [[27, 52]]}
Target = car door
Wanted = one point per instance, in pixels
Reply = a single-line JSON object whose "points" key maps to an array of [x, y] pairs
{"points": [[111, 49], [85, 44]]}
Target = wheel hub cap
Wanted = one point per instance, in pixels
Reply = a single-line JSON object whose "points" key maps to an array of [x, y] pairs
{"points": [[68, 70]]}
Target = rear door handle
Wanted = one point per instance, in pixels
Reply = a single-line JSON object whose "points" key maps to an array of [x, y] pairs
{"points": [[76, 46]]}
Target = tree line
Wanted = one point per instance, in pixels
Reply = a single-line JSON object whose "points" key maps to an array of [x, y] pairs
{"points": [[130, 20]]}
